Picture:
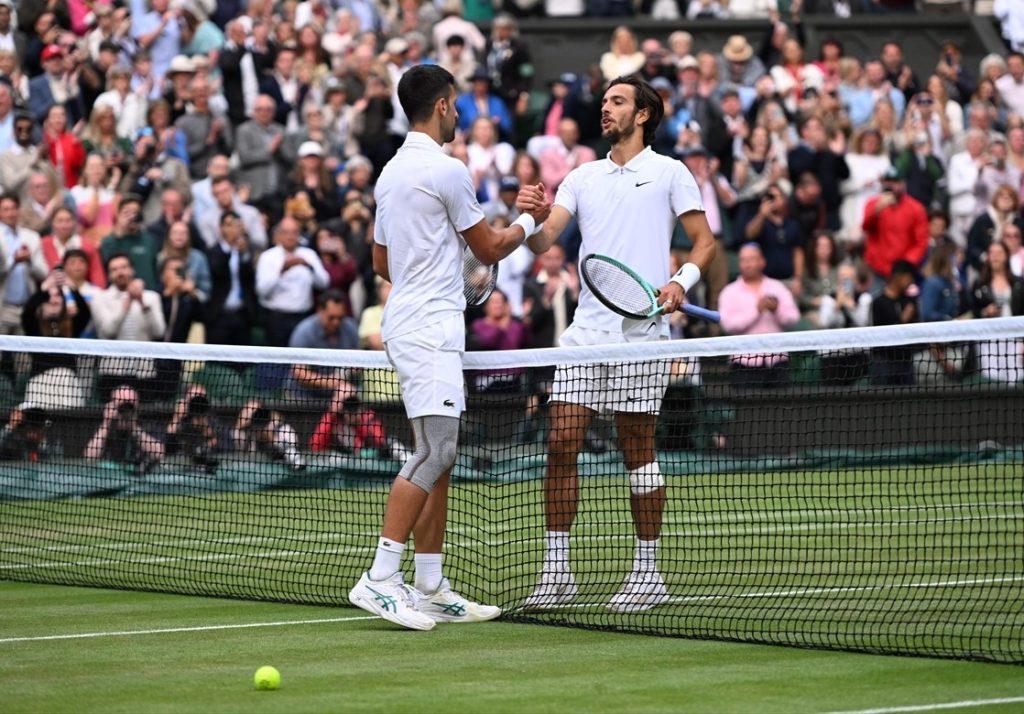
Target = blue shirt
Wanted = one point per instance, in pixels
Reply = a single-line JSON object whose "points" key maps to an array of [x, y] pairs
{"points": [[310, 334], [939, 299], [469, 112], [166, 46], [777, 243]]}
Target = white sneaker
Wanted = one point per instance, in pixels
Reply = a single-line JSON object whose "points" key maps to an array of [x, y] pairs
{"points": [[446, 605], [640, 592], [556, 588], [391, 599]]}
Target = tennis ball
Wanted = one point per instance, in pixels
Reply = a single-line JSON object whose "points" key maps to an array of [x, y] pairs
{"points": [[267, 678]]}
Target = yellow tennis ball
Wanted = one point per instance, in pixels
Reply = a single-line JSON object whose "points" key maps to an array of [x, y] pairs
{"points": [[267, 678]]}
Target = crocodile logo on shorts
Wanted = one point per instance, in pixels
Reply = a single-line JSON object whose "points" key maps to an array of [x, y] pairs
{"points": [[449, 403]]}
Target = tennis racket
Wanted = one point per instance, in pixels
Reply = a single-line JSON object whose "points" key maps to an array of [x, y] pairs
{"points": [[621, 290], [478, 279]]}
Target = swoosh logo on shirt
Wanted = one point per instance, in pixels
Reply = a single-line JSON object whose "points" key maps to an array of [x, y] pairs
{"points": [[644, 183]]}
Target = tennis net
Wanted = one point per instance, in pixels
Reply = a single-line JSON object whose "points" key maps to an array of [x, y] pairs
{"points": [[852, 489]]}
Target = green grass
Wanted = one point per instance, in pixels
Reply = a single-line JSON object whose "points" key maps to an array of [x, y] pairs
{"points": [[368, 665]]}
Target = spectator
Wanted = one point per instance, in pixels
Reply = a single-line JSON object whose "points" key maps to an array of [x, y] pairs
{"points": [[19, 274], [259, 430], [823, 157], [717, 197], [988, 228], [24, 437], [157, 31], [202, 191], [22, 157], [54, 248], [830, 296], [481, 103], [1011, 16], [1011, 84], [331, 328], [695, 112], [159, 163], [964, 171], [193, 432], [550, 298], [757, 165], [100, 137], [996, 172], [897, 72], [196, 268], [867, 163], [779, 238], [227, 199], [76, 270], [921, 169], [504, 206], [998, 293], [64, 149], [498, 330], [128, 106], [126, 310], [120, 438], [565, 155], [206, 135], [312, 176], [1012, 238], [285, 89], [737, 64], [458, 61], [57, 86], [337, 261], [317, 130], [508, 61], [895, 305], [173, 210], [807, 207], [754, 304], [258, 148], [489, 159], [348, 426], [286, 276], [96, 199], [231, 310], [877, 83], [56, 310], [131, 239], [623, 57], [895, 228], [940, 292], [42, 199]]}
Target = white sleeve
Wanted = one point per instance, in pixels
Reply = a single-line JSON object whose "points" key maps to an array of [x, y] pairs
{"points": [[379, 236], [455, 187], [566, 194], [684, 196], [268, 268]]}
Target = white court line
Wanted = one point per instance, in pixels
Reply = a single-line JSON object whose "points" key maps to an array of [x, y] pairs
{"points": [[203, 628], [934, 707]]}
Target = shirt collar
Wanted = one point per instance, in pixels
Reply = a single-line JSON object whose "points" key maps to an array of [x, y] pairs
{"points": [[418, 138], [634, 164]]}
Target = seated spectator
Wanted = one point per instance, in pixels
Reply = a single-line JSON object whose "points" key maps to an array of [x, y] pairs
{"points": [[76, 270], [868, 163], [180, 302], [997, 292], [623, 57], [779, 237], [895, 227], [23, 157], [130, 239], [737, 64], [331, 328], [566, 154], [806, 206], [259, 430], [341, 267], [312, 177], [42, 199], [751, 305], [940, 292], [193, 432], [120, 438], [56, 310], [101, 138], [348, 426], [504, 205], [997, 171], [286, 277], [988, 228], [1011, 84], [96, 199], [1012, 238], [178, 244], [895, 305], [550, 298], [128, 106], [921, 169], [126, 310], [24, 437], [757, 164], [489, 159], [820, 282], [173, 209], [481, 103], [498, 330], [227, 199]]}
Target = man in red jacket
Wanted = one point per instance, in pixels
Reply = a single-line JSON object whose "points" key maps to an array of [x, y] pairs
{"points": [[895, 227]]}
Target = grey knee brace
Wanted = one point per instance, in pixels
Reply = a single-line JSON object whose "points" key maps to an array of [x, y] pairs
{"points": [[437, 439]]}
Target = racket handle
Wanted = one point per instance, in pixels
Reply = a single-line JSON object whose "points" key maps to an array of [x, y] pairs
{"points": [[702, 312]]}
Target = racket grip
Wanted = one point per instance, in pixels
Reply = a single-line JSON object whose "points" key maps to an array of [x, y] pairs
{"points": [[702, 312]]}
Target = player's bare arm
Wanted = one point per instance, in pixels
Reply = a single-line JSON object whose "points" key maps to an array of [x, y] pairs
{"points": [[532, 199], [380, 261], [490, 245], [673, 294]]}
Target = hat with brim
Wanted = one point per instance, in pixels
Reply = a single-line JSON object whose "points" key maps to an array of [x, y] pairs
{"points": [[687, 62], [480, 75], [310, 148], [892, 174], [396, 46], [737, 49], [181, 65], [660, 84]]}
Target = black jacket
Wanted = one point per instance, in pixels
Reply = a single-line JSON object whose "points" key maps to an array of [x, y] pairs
{"points": [[981, 297], [220, 273]]}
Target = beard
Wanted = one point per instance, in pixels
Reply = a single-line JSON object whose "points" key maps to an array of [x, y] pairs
{"points": [[448, 133], [615, 134]]}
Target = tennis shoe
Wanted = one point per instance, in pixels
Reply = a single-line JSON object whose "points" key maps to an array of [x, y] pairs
{"points": [[390, 599], [446, 605], [640, 592], [556, 588]]}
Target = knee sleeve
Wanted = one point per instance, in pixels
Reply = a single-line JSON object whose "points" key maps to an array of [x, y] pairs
{"points": [[437, 439], [646, 479]]}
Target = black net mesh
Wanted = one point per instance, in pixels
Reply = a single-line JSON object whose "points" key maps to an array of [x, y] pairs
{"points": [[867, 499]]}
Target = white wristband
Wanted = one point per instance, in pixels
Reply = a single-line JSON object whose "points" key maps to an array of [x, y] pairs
{"points": [[526, 222], [687, 277]]}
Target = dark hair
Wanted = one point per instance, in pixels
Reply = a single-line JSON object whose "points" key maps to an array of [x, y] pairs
{"points": [[644, 97], [811, 249], [228, 214], [420, 88], [904, 267], [455, 39], [835, 42], [10, 196], [219, 180], [985, 275], [1015, 54], [127, 200], [942, 260], [62, 209], [114, 256], [333, 295], [75, 253]]}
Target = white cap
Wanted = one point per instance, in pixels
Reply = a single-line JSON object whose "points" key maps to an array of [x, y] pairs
{"points": [[310, 148]]}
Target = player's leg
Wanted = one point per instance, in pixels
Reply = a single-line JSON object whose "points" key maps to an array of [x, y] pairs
{"points": [[568, 424], [439, 601]]}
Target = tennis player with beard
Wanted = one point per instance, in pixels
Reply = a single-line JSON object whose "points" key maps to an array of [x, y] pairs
{"points": [[426, 213], [627, 206]]}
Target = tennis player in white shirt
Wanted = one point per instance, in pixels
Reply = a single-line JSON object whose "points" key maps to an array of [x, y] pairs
{"points": [[627, 206], [426, 213]]}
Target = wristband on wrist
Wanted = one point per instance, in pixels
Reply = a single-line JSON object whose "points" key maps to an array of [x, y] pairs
{"points": [[526, 222], [687, 277]]}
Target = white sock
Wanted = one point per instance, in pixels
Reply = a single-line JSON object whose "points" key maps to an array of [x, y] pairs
{"points": [[645, 557], [387, 560], [556, 557], [428, 572]]}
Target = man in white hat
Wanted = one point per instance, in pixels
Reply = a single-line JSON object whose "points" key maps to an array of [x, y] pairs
{"points": [[737, 63]]}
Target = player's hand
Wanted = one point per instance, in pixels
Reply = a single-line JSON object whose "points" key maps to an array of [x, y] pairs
{"points": [[530, 198], [671, 297]]}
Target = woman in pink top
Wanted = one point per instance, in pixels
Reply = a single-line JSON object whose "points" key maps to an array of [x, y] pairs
{"points": [[96, 199], [64, 238]]}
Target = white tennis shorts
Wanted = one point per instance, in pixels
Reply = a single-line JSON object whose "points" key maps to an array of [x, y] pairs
{"points": [[429, 366], [636, 387]]}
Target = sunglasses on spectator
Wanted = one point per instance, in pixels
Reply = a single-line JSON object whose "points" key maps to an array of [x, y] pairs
{"points": [[925, 101]]}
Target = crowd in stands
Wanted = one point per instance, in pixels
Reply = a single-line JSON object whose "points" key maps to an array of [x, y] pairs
{"points": [[185, 170]]}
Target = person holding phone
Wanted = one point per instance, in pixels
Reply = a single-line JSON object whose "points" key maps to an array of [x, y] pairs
{"points": [[895, 228]]}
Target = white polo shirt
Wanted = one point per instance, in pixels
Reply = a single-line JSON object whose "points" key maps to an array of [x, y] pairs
{"points": [[425, 199], [627, 213]]}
